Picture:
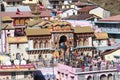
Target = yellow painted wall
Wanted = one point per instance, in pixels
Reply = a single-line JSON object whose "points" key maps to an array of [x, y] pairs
{"points": [[111, 55]]}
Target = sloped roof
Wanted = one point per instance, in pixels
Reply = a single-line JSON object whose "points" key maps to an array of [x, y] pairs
{"points": [[65, 9], [33, 22], [6, 18], [81, 17], [87, 8], [83, 30], [46, 13], [14, 15], [17, 39], [115, 18], [7, 27], [13, 0], [110, 51], [101, 35], [38, 31], [14, 9]]}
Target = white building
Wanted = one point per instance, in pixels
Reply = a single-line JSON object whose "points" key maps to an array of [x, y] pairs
{"points": [[17, 47], [68, 12], [98, 11]]}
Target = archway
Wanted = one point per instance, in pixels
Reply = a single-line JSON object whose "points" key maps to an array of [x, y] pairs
{"points": [[110, 77], [62, 41], [103, 77], [89, 78]]}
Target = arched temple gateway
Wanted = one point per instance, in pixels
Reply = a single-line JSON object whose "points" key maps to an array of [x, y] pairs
{"points": [[58, 35]]}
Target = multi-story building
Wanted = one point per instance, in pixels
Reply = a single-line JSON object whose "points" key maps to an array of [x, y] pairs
{"points": [[12, 2], [46, 36], [57, 3], [111, 26], [67, 72]]}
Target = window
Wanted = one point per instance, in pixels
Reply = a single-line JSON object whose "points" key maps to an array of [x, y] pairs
{"points": [[66, 76], [72, 78], [30, 0]]}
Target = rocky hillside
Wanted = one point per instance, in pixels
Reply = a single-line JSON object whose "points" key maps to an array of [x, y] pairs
{"points": [[112, 5]]}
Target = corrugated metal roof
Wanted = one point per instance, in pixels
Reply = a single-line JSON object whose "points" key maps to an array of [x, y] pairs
{"points": [[115, 18], [14, 9]]}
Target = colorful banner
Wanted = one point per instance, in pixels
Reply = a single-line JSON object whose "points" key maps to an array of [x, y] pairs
{"points": [[17, 67]]}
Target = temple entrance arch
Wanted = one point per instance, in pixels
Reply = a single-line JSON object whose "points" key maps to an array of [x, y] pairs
{"points": [[62, 41], [63, 38]]}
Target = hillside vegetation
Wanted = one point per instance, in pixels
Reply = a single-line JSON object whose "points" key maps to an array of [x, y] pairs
{"points": [[112, 5]]}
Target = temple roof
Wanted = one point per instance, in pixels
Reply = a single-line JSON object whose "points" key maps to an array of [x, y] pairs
{"points": [[33, 22], [7, 27], [6, 18], [17, 39], [37, 31], [101, 35], [83, 30]]}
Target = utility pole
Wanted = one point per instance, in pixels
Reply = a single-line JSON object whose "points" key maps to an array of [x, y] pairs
{"points": [[1, 27]]}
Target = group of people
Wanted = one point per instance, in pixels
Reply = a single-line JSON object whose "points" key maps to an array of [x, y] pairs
{"points": [[80, 60]]}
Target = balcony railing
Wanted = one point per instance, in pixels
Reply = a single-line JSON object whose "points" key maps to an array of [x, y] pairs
{"points": [[77, 70]]}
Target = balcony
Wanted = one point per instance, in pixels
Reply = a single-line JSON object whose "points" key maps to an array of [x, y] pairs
{"points": [[28, 49], [94, 69]]}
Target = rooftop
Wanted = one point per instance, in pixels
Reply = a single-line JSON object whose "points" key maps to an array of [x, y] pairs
{"points": [[87, 8], [101, 35], [14, 9], [83, 30], [38, 31], [81, 17], [115, 18], [15, 15], [17, 39]]}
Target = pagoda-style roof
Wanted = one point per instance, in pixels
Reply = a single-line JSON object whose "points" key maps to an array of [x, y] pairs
{"points": [[83, 30], [37, 31], [101, 35], [17, 39]]}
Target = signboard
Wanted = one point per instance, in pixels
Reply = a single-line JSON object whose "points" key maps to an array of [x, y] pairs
{"points": [[17, 67]]}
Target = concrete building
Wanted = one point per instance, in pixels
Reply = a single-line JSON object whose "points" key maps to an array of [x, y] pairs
{"points": [[65, 72], [17, 47], [111, 26]]}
